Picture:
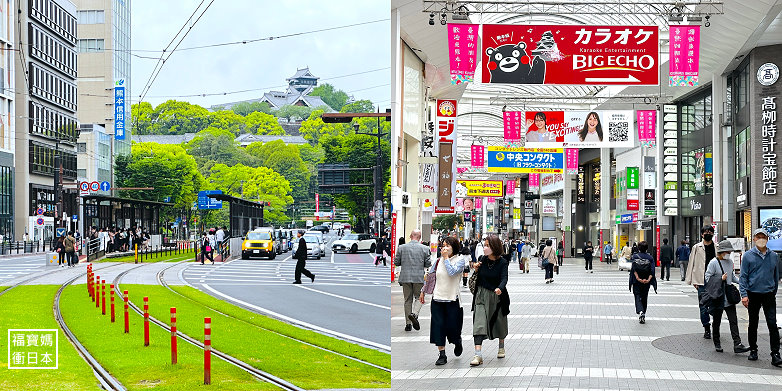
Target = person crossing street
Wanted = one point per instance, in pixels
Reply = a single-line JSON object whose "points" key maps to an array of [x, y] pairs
{"points": [[301, 260]]}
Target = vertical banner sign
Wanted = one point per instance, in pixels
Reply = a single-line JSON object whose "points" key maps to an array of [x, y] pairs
{"points": [[657, 242], [393, 243], [684, 49], [317, 207], [670, 160], [571, 155], [510, 187], [119, 109], [768, 107], [646, 127], [478, 203], [463, 52], [581, 186], [428, 177], [511, 121], [446, 138], [534, 180], [650, 209], [428, 145], [632, 188], [477, 153]]}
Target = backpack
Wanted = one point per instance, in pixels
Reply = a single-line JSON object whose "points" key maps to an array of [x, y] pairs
{"points": [[643, 267]]}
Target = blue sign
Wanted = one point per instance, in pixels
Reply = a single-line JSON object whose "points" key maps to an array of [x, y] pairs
{"points": [[526, 160], [167, 199], [75, 217], [628, 218], [60, 231], [105, 186], [204, 202], [119, 109], [178, 220]]}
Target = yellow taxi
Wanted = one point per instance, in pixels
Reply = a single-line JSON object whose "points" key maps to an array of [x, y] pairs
{"points": [[259, 243]]}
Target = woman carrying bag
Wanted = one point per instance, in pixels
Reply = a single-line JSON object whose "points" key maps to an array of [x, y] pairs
{"points": [[447, 313], [722, 267], [548, 259], [490, 302]]}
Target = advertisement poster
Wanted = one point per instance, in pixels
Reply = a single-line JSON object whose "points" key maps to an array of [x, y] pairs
{"points": [[684, 49], [477, 188], [570, 54], [647, 120], [544, 128], [549, 206], [580, 129], [771, 221], [534, 180], [526, 160], [463, 52], [512, 125], [446, 136]]}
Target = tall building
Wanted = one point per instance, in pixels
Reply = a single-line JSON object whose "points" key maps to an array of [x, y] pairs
{"points": [[46, 99], [104, 58], [7, 121]]}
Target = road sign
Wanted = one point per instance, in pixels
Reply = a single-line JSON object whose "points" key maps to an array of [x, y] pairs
{"points": [[60, 231], [105, 186], [39, 221], [75, 217], [371, 213], [94, 186], [204, 202], [39, 211]]}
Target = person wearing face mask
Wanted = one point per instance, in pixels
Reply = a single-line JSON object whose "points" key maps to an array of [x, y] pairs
{"points": [[490, 303], [447, 312], [758, 284], [700, 256], [721, 267]]}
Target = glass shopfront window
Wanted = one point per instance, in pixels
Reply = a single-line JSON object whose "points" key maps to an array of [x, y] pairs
{"points": [[742, 153]]}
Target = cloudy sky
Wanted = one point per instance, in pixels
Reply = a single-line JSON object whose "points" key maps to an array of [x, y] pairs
{"points": [[262, 65]]}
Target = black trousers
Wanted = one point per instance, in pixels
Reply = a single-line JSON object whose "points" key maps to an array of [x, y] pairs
{"points": [[608, 259], [301, 270], [549, 270], [733, 321], [665, 269], [769, 304], [641, 293], [446, 323], [588, 262], [71, 258]]}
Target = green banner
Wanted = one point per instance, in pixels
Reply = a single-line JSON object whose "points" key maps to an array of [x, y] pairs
{"points": [[632, 177]]}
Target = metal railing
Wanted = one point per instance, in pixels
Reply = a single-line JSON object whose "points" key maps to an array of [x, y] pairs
{"points": [[10, 247]]}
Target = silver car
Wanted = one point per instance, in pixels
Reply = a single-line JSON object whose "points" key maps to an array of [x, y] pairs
{"points": [[313, 246]]}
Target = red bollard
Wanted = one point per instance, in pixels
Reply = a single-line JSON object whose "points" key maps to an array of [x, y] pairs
{"points": [[89, 284], [173, 335], [111, 293], [103, 296], [127, 321], [97, 296], [146, 321], [207, 350]]}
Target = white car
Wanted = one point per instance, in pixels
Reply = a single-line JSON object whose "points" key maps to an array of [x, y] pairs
{"points": [[313, 246], [354, 243], [321, 240]]}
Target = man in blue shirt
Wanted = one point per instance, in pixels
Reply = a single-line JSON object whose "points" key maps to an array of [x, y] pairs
{"points": [[683, 255], [758, 285]]}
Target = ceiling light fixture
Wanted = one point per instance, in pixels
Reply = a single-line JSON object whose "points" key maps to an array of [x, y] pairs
{"points": [[431, 19], [707, 24]]}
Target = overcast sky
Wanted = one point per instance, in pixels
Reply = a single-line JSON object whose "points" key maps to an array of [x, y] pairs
{"points": [[264, 64]]}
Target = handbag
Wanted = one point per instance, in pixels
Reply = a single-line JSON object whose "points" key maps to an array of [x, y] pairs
{"points": [[731, 293], [544, 261], [208, 248], [430, 280], [474, 278]]}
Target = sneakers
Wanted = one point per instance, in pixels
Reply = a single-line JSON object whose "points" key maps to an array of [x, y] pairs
{"points": [[776, 360], [706, 332], [442, 360], [457, 350], [718, 347], [414, 320], [477, 360], [753, 355], [642, 318], [501, 353], [740, 348], [408, 327]]}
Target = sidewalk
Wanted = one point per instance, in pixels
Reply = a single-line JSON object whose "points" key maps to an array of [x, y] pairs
{"points": [[581, 332]]}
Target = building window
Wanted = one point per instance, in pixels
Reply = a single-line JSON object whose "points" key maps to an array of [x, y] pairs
{"points": [[91, 17], [82, 147], [91, 45], [742, 153]]}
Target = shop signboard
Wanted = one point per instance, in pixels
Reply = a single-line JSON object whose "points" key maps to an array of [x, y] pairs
{"points": [[579, 129], [626, 218], [670, 159], [534, 181], [570, 54], [581, 186], [463, 52], [427, 177], [526, 160], [650, 175], [684, 50], [550, 183], [477, 188], [571, 155], [632, 177], [632, 199], [650, 207], [596, 185], [512, 125], [549, 206], [742, 193], [428, 145], [446, 138]]}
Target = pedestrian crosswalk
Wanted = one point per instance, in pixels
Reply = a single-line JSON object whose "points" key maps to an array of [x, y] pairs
{"points": [[13, 268], [259, 273]]}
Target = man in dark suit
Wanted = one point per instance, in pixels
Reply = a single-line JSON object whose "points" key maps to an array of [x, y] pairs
{"points": [[301, 259]]}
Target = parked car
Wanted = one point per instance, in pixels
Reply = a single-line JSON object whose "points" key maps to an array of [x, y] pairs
{"points": [[259, 243], [320, 228], [313, 246], [354, 243]]}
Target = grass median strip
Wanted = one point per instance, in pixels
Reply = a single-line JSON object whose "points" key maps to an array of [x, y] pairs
{"points": [[303, 365], [152, 258], [349, 349], [30, 307], [138, 367], [2, 288]]}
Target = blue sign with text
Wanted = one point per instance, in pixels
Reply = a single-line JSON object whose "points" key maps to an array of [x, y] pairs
{"points": [[204, 202], [119, 109]]}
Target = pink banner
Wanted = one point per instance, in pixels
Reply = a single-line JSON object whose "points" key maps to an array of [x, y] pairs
{"points": [[478, 203], [534, 180], [477, 153], [512, 124], [684, 49], [463, 52], [461, 170], [571, 157], [510, 187], [490, 200], [646, 127]]}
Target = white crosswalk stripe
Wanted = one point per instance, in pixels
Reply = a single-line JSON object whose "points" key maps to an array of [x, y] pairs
{"points": [[14, 268]]}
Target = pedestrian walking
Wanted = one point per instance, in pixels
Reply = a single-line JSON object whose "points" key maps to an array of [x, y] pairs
{"points": [[59, 248], [447, 312], [758, 284], [490, 302], [380, 248], [666, 258], [588, 250], [69, 245], [206, 248], [635, 248], [608, 251], [526, 254], [560, 255], [683, 255], [219, 239], [413, 259], [700, 256], [641, 278], [518, 249], [301, 260], [548, 259], [626, 253], [212, 244], [721, 269]]}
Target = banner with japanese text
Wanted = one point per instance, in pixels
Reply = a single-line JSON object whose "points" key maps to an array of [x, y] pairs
{"points": [[446, 138], [427, 177], [463, 52], [684, 49], [510, 187], [646, 127], [572, 160], [526, 160], [534, 180], [477, 188], [580, 129], [477, 155], [511, 121], [119, 109], [570, 54]]}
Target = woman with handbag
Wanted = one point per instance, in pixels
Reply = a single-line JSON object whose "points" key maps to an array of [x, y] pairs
{"points": [[447, 313], [722, 265], [548, 259], [206, 248], [490, 301]]}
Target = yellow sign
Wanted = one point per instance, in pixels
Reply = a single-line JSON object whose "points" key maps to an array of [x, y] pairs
{"points": [[517, 214], [623, 240], [479, 188]]}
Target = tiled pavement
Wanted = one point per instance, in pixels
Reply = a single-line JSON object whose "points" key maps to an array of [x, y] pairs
{"points": [[581, 332]]}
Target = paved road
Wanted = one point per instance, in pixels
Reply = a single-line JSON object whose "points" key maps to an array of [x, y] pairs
{"points": [[13, 267], [581, 332], [349, 297]]}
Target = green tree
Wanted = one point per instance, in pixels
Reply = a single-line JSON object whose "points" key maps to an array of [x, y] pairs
{"points": [[333, 97], [246, 108], [293, 113], [314, 128], [263, 123], [168, 169], [260, 184], [447, 222], [286, 160], [359, 106], [217, 145], [141, 116]]}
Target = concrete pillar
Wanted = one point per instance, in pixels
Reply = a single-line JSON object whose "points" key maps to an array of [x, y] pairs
{"points": [[567, 210], [605, 197], [722, 180]]}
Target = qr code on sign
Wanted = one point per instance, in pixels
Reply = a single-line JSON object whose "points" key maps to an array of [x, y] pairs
{"points": [[617, 131]]}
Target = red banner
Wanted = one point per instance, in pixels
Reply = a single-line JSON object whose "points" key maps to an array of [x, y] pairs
{"points": [[393, 243], [570, 54], [463, 50], [512, 125]]}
